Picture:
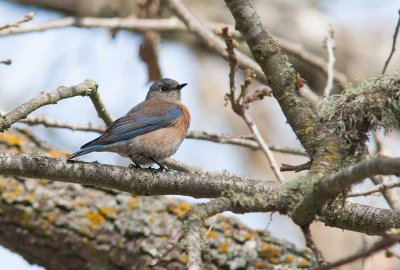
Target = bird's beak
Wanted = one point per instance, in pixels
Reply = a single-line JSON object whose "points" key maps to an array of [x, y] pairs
{"points": [[180, 86]]}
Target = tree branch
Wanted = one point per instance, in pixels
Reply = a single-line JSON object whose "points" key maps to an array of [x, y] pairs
{"points": [[251, 195], [87, 88], [375, 189], [396, 32], [139, 182], [244, 140], [330, 187], [29, 16], [382, 244], [282, 77]]}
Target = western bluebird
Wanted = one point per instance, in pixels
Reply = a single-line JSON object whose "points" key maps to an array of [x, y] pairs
{"points": [[151, 131]]}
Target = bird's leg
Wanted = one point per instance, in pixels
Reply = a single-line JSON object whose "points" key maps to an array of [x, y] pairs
{"points": [[134, 165], [162, 167]]}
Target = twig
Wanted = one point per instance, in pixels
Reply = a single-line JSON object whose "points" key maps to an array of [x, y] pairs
{"points": [[207, 36], [311, 245], [375, 189], [245, 141], [396, 32], [168, 25], [330, 46], [6, 62], [390, 196], [240, 104], [48, 122], [28, 16], [87, 88], [100, 108], [382, 244], [295, 168]]}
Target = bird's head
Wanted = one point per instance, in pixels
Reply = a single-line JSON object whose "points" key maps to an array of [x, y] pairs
{"points": [[166, 89]]}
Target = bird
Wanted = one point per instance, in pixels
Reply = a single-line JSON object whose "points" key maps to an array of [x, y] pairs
{"points": [[150, 132]]}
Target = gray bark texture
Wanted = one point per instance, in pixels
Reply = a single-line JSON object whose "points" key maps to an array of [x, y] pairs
{"points": [[70, 226]]}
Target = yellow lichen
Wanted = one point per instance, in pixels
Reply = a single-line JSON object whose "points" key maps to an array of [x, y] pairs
{"points": [[223, 248], [12, 139], [260, 264], [270, 252], [180, 209], [184, 206], [290, 258], [95, 218], [110, 212], [164, 237], [303, 263], [183, 258], [212, 234], [9, 196], [44, 182], [248, 235], [58, 153], [151, 219], [133, 203]]}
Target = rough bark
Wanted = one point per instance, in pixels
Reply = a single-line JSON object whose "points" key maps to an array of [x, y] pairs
{"points": [[69, 226]]}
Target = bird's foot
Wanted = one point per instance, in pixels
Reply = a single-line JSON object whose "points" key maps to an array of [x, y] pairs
{"points": [[134, 166], [159, 169]]}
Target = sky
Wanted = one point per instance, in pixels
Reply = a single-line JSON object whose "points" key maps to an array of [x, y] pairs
{"points": [[44, 61]]}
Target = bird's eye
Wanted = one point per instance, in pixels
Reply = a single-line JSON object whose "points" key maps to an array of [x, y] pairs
{"points": [[163, 88]]}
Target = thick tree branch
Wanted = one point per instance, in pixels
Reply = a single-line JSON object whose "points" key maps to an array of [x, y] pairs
{"points": [[111, 229], [264, 195], [281, 75], [139, 182], [330, 187]]}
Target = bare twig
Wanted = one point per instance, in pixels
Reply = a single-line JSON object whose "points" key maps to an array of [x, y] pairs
{"points": [[28, 16], [48, 122], [100, 108], [311, 245], [391, 196], [87, 88], [295, 168], [209, 38], [245, 141], [240, 104], [375, 189], [168, 25], [6, 62], [330, 46], [396, 32], [381, 245]]}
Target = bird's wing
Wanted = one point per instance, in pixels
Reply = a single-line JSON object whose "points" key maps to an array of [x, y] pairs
{"points": [[147, 116]]}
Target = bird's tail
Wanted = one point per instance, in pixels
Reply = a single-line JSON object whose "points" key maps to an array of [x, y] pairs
{"points": [[84, 151]]}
